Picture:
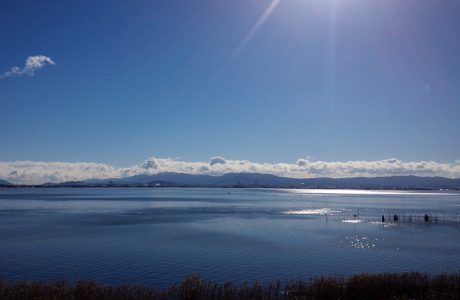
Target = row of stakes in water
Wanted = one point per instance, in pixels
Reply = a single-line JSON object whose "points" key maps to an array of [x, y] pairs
{"points": [[402, 218], [427, 218]]}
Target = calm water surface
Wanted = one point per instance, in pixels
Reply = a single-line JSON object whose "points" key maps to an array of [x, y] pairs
{"points": [[157, 236]]}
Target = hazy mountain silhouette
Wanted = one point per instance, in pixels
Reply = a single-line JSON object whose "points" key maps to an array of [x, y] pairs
{"points": [[268, 180], [4, 183]]}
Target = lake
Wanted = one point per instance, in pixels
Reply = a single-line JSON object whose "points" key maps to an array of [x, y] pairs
{"points": [[157, 236]]}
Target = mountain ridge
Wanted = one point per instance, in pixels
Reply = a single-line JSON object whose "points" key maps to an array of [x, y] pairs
{"points": [[171, 179], [5, 183]]}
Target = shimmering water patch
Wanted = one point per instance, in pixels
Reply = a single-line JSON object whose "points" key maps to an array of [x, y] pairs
{"points": [[353, 221], [316, 211], [359, 242]]}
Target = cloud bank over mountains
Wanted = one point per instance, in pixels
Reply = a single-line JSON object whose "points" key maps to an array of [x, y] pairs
{"points": [[32, 64], [29, 172]]}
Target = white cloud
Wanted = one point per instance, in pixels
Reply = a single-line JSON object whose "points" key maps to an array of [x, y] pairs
{"points": [[302, 162], [216, 160], [150, 164], [29, 172], [32, 64]]}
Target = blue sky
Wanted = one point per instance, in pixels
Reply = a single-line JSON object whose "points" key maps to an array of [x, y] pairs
{"points": [[329, 80]]}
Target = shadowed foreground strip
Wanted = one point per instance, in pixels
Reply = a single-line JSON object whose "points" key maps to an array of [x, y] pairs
{"points": [[364, 286]]}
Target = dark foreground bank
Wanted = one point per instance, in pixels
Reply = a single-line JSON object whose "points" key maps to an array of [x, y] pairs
{"points": [[364, 286]]}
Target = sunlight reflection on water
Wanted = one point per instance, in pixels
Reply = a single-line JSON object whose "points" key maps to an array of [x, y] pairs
{"points": [[317, 212], [366, 192], [359, 242]]}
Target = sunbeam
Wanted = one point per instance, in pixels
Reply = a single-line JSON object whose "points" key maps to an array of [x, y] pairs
{"points": [[268, 11]]}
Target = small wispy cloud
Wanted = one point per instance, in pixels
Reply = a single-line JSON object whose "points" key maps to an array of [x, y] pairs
{"points": [[32, 64]]}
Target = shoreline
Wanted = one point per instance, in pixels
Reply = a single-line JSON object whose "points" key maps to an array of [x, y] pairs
{"points": [[227, 187], [410, 285]]}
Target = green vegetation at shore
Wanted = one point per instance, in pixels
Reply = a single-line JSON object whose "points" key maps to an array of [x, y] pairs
{"points": [[363, 286]]}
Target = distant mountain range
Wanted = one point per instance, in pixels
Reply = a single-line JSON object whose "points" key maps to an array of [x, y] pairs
{"points": [[5, 183], [266, 180]]}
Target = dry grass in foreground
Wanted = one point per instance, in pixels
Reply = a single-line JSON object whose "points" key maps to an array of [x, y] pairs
{"points": [[363, 286]]}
